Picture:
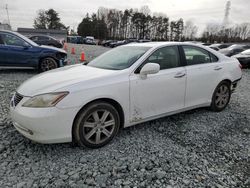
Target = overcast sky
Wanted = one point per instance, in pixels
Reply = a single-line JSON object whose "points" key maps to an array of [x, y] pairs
{"points": [[201, 12]]}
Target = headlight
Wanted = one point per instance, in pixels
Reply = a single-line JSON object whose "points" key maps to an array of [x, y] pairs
{"points": [[45, 100]]}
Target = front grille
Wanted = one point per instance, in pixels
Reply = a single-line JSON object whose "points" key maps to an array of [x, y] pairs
{"points": [[17, 98]]}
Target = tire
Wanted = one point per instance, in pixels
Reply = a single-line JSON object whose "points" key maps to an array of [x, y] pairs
{"points": [[221, 96], [89, 129], [47, 63]]}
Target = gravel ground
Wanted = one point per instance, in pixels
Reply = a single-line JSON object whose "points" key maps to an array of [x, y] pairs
{"points": [[198, 148]]}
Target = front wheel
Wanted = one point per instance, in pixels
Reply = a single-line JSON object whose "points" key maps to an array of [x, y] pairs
{"points": [[47, 64], [221, 96], [96, 125]]}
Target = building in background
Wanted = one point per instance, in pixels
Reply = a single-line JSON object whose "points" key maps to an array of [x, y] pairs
{"points": [[4, 26], [58, 34]]}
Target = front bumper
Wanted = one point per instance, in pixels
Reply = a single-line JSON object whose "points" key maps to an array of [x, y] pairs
{"points": [[43, 125], [63, 62]]}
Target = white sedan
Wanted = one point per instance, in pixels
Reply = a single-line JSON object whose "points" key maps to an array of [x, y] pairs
{"points": [[88, 104]]}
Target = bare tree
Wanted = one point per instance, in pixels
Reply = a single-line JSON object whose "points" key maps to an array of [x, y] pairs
{"points": [[190, 30]]}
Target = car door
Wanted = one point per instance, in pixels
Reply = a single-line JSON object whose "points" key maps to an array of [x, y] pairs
{"points": [[18, 53], [159, 93], [3, 52], [203, 75]]}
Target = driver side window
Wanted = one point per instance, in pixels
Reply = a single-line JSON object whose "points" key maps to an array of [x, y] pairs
{"points": [[12, 40], [166, 57]]}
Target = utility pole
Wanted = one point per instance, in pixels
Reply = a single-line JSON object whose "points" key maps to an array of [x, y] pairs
{"points": [[7, 13], [227, 12]]}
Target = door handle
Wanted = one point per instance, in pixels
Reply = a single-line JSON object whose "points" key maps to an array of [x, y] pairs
{"points": [[217, 68], [180, 74]]}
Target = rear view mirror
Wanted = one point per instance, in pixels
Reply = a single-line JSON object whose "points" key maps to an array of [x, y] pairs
{"points": [[149, 68]]}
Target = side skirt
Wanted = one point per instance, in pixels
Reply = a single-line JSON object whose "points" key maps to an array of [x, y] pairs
{"points": [[167, 114]]}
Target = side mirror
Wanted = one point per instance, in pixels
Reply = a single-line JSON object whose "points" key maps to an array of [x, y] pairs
{"points": [[149, 68]]}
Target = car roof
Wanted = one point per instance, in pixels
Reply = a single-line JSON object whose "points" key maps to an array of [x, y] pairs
{"points": [[157, 44], [7, 31]]}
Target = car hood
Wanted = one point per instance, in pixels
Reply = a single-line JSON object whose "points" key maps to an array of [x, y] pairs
{"points": [[58, 78], [52, 48]]}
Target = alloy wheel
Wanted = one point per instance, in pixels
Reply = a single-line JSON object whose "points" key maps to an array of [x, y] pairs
{"points": [[222, 96], [48, 64], [99, 126]]}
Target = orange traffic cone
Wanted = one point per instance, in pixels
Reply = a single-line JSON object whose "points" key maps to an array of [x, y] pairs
{"points": [[82, 58], [73, 51]]}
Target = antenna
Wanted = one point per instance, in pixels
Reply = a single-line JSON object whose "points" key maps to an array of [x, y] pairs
{"points": [[6, 7], [227, 12]]}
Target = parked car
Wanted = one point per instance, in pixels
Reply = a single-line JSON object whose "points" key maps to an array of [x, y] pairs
{"points": [[89, 41], [244, 58], [144, 40], [46, 40], [125, 86], [17, 50], [131, 40], [90, 37], [234, 49], [220, 46], [114, 43], [106, 43], [214, 48], [117, 43], [75, 39], [206, 44]]}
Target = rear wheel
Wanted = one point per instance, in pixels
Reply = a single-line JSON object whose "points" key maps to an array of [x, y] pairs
{"points": [[221, 96], [47, 64], [96, 125]]}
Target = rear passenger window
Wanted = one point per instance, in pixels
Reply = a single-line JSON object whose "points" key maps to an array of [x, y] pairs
{"points": [[195, 55], [213, 58], [43, 38]]}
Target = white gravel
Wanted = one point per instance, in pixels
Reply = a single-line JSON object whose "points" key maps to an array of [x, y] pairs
{"points": [[198, 148]]}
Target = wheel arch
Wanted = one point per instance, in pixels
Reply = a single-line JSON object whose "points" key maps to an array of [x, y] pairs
{"points": [[226, 80], [113, 102], [47, 56], [223, 80]]}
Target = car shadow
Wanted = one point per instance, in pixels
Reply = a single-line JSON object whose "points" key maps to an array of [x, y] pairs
{"points": [[13, 71]]}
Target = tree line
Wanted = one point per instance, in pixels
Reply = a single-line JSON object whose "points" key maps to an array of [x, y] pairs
{"points": [[234, 33], [142, 24], [131, 23]]}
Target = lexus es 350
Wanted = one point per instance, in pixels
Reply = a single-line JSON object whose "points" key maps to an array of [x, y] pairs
{"points": [[88, 104]]}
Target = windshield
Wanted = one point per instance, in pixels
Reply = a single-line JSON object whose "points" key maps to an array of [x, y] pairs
{"points": [[119, 58]]}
